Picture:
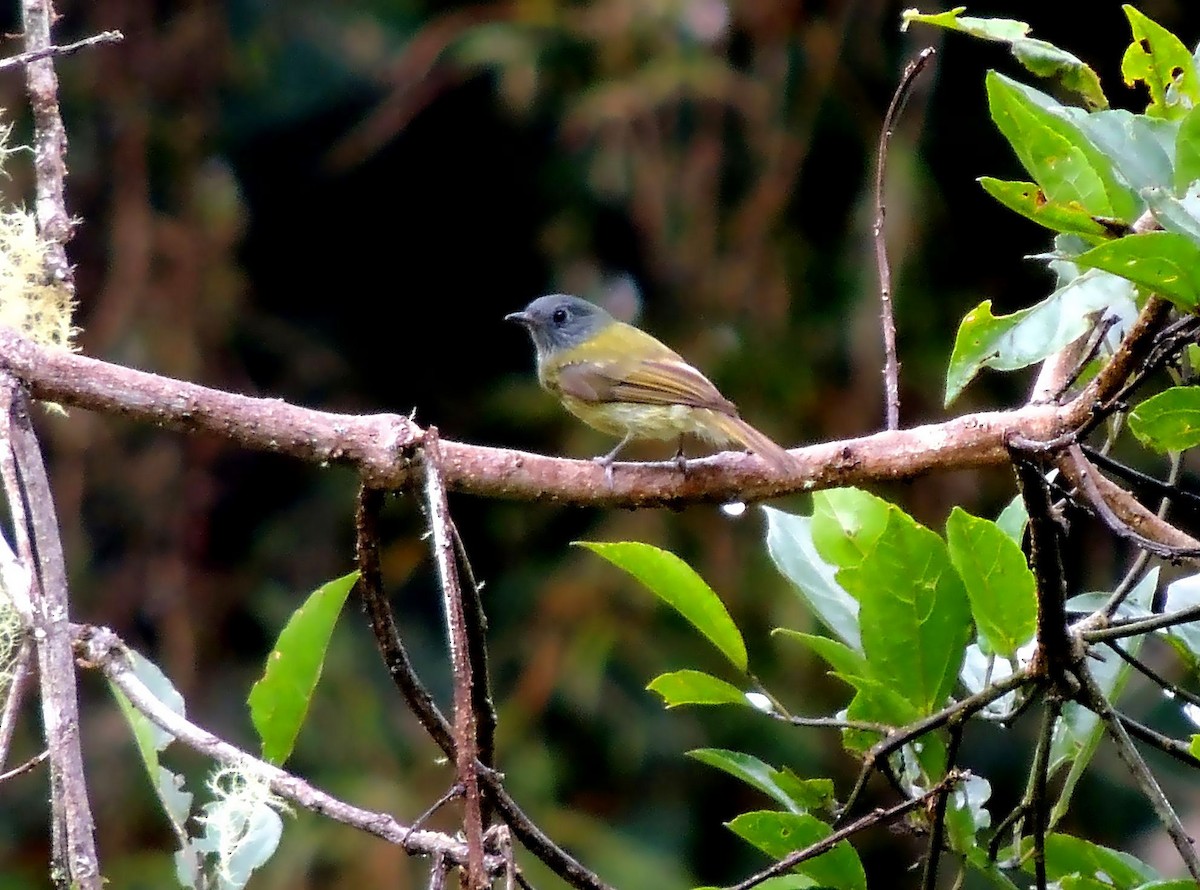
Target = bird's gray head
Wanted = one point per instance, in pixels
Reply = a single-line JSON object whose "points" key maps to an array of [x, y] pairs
{"points": [[560, 321]]}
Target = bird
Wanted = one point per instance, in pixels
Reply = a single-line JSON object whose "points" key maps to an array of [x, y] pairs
{"points": [[622, 381]]}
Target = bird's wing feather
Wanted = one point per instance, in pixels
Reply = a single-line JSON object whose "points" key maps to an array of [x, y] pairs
{"points": [[659, 381]]}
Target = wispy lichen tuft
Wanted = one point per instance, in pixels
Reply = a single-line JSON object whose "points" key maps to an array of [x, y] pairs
{"points": [[30, 303]]}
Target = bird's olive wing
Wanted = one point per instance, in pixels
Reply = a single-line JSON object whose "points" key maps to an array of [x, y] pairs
{"points": [[644, 382]]}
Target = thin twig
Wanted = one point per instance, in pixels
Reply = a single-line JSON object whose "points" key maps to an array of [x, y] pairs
{"points": [[878, 817], [25, 767], [1076, 467], [477, 651], [100, 648], [958, 711], [1093, 698], [1133, 627], [891, 371], [1173, 748], [1037, 804], [937, 831], [383, 626], [1174, 690], [1140, 480], [46, 52], [14, 696], [466, 739]]}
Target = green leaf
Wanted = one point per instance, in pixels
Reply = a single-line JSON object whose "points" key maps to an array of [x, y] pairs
{"points": [[841, 657], [1031, 202], [1164, 262], [1010, 342], [1158, 58], [783, 786], [688, 687], [846, 523], [1069, 855], [1179, 215], [1000, 586], [1055, 155], [778, 834], [1183, 593], [1013, 518], [1170, 420], [675, 582], [151, 739], [790, 543], [279, 700], [913, 611], [1141, 149], [1187, 151], [967, 813], [1039, 57]]}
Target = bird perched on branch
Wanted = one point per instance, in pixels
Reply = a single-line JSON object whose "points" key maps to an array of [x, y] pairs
{"points": [[622, 381]]}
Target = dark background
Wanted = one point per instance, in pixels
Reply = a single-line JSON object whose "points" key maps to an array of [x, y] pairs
{"points": [[336, 204]]}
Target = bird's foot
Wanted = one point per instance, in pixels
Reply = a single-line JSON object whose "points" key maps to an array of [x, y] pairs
{"points": [[606, 461], [681, 460]]}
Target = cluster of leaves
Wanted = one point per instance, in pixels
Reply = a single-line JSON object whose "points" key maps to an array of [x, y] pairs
{"points": [[925, 628], [239, 828], [912, 617], [1096, 171]]}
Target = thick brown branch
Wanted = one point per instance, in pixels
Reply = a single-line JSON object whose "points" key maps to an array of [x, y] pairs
{"points": [[380, 446]]}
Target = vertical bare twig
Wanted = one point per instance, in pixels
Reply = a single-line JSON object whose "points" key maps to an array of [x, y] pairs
{"points": [[891, 368], [49, 141], [383, 626], [73, 838], [466, 737]]}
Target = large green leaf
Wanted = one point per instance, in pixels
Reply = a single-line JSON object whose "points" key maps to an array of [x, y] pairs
{"points": [[1179, 215], [675, 583], [795, 794], [840, 657], [1031, 202], [1170, 420], [1009, 342], [1000, 586], [1041, 58], [1056, 155], [1158, 58], [913, 611], [790, 543], [1187, 151], [1164, 262], [279, 700], [1070, 855], [688, 687], [846, 524], [778, 834]]}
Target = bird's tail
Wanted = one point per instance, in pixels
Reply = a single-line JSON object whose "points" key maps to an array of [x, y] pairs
{"points": [[737, 430]]}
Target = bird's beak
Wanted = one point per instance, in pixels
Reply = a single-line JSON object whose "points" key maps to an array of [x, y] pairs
{"points": [[521, 318]]}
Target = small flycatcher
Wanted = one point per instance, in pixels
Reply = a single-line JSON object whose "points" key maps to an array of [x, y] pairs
{"points": [[622, 381]]}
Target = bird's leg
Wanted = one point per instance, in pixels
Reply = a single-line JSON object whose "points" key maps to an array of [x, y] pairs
{"points": [[681, 458], [606, 460]]}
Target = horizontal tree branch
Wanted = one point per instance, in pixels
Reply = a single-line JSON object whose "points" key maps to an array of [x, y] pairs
{"points": [[381, 446]]}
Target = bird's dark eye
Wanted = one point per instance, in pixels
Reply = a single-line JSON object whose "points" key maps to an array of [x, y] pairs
{"points": [[559, 316]]}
